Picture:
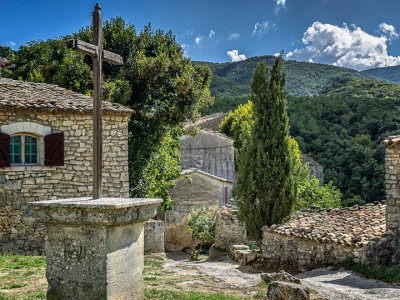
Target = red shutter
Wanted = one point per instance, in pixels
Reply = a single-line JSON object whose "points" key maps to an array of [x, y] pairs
{"points": [[54, 149], [4, 150]]}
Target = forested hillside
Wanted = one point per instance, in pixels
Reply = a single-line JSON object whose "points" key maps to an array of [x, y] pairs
{"points": [[387, 73], [363, 88], [344, 135]]}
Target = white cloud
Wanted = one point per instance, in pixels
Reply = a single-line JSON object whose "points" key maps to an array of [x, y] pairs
{"points": [[344, 46], [185, 49], [198, 40], [280, 2], [211, 34], [235, 56], [188, 32], [234, 36], [261, 28], [12, 44], [389, 31]]}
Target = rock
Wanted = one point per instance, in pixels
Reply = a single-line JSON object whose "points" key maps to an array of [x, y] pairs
{"points": [[278, 290], [216, 254], [280, 276]]}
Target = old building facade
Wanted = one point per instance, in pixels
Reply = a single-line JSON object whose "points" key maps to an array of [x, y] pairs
{"points": [[46, 153]]}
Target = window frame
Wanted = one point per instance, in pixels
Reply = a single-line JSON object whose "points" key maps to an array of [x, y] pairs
{"points": [[23, 135]]}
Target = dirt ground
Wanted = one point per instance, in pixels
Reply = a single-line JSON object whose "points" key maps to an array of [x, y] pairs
{"points": [[177, 272]]}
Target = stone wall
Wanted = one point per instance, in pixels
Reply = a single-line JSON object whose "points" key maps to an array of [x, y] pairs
{"points": [[314, 168], [19, 231], [210, 152], [228, 230], [299, 254], [154, 232], [205, 189], [392, 180]]}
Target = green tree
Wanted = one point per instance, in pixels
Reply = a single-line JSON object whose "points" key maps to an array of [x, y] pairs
{"points": [[266, 185], [202, 227]]}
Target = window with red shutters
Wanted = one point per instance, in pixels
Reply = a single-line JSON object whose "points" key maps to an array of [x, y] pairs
{"points": [[4, 150], [54, 149]]}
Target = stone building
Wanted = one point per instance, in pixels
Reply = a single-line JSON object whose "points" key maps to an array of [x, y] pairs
{"points": [[210, 152], [314, 168], [203, 189], [46, 153]]}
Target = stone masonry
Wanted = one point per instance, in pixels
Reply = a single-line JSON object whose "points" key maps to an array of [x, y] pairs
{"points": [[204, 189], [210, 152], [61, 111]]}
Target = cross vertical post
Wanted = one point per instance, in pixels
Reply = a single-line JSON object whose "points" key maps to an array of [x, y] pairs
{"points": [[97, 53], [97, 103]]}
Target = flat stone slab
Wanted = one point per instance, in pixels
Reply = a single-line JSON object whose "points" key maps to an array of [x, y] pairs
{"points": [[100, 212]]}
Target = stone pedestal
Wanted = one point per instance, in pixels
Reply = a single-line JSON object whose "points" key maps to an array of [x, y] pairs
{"points": [[94, 248]]}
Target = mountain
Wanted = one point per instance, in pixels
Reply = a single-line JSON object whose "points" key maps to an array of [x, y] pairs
{"points": [[303, 78], [387, 73]]}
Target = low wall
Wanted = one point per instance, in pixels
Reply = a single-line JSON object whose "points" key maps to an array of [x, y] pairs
{"points": [[299, 254]]}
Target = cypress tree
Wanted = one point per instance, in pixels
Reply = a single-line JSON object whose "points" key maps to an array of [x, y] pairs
{"points": [[266, 185]]}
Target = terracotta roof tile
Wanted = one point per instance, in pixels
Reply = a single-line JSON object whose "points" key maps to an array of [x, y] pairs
{"points": [[353, 226], [392, 140], [16, 94]]}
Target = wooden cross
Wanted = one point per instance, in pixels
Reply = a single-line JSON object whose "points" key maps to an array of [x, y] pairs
{"points": [[98, 55]]}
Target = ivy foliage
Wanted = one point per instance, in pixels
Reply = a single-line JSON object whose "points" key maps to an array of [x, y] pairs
{"points": [[156, 81]]}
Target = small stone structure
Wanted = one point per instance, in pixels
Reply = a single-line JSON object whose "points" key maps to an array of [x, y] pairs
{"points": [[60, 123], [210, 152], [94, 248], [204, 189], [319, 237], [154, 233], [314, 168]]}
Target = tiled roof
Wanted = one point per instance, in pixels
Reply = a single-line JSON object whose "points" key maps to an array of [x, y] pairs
{"points": [[210, 122], [352, 226], [392, 140], [16, 94]]}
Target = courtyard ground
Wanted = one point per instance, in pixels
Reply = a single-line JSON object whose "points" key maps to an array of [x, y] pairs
{"points": [[174, 276]]}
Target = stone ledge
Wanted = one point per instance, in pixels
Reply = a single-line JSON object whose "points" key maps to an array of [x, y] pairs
{"points": [[95, 212]]}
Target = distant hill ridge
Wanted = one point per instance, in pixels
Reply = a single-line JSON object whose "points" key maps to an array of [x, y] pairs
{"points": [[303, 78]]}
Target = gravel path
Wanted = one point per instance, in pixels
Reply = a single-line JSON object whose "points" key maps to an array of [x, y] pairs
{"points": [[342, 284], [226, 273]]}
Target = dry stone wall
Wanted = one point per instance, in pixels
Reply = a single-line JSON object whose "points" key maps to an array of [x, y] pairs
{"points": [[228, 230], [19, 231]]}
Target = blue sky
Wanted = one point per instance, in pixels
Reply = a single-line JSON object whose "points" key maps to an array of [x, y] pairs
{"points": [[353, 33]]}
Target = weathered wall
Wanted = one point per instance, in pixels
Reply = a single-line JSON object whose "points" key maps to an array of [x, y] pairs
{"points": [[210, 152], [204, 190], [297, 253], [315, 168], [211, 122], [19, 232], [228, 229], [154, 232], [392, 180]]}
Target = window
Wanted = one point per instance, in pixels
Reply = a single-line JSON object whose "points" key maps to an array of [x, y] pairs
{"points": [[24, 150]]}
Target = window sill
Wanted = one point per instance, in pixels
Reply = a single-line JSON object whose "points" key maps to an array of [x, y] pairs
{"points": [[27, 168]]}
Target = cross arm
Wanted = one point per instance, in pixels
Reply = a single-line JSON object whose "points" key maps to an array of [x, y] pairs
{"points": [[91, 50]]}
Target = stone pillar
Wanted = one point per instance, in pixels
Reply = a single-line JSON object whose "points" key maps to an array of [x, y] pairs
{"points": [[154, 233], [392, 179], [94, 248]]}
